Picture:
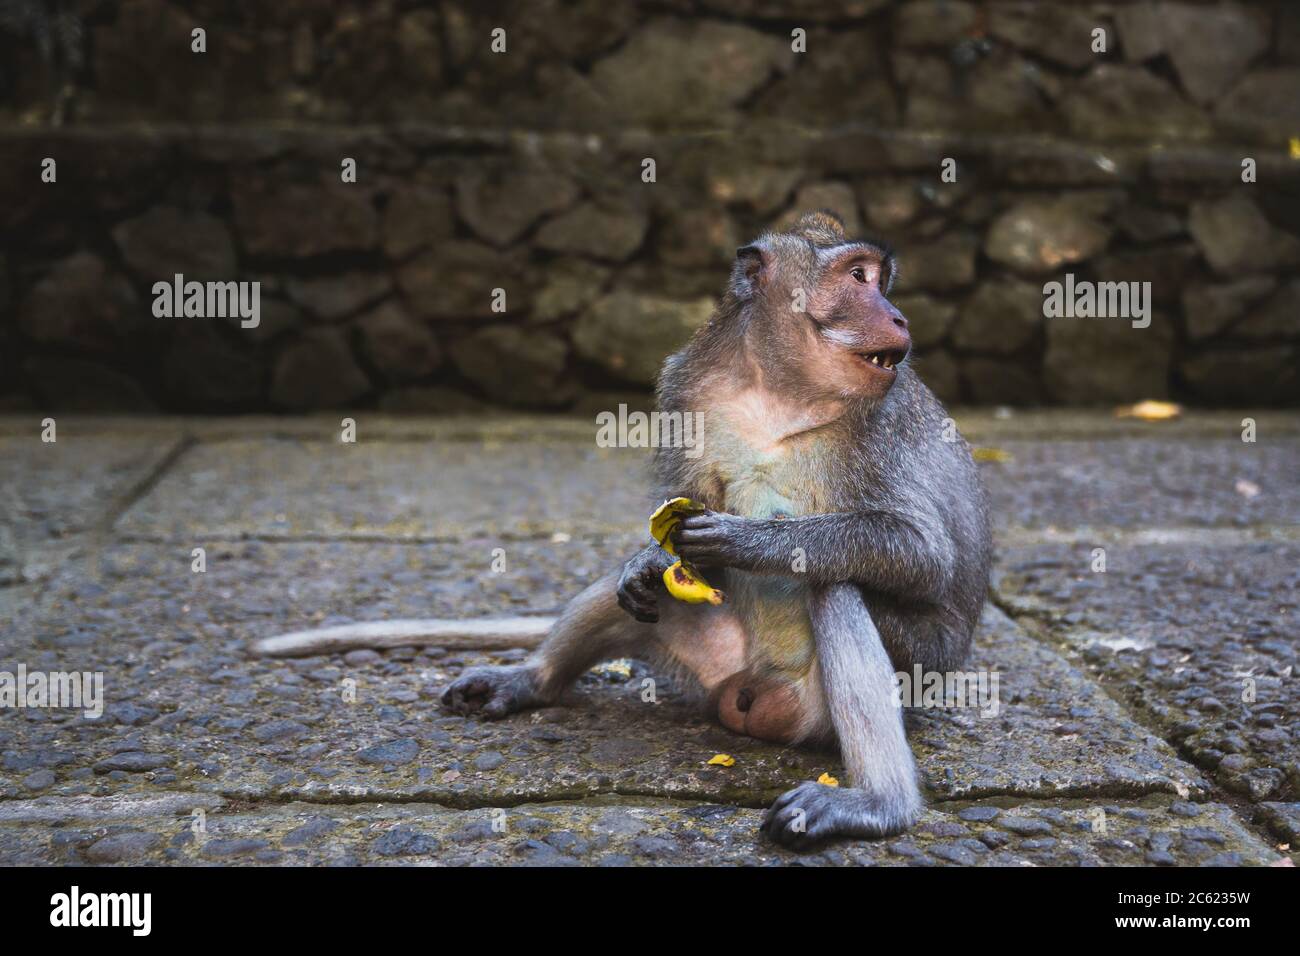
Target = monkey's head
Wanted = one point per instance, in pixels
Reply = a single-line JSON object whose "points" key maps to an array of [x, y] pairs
{"points": [[812, 304]]}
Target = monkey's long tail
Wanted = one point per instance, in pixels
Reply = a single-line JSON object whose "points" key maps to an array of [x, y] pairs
{"points": [[488, 633]]}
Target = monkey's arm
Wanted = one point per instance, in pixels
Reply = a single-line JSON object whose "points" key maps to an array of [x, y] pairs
{"points": [[907, 555], [858, 680]]}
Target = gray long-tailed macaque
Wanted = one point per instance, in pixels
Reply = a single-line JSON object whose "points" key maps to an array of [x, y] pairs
{"points": [[846, 526]]}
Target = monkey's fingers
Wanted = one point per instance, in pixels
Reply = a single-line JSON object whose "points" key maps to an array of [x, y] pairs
{"points": [[708, 521], [639, 601], [705, 535], [701, 553]]}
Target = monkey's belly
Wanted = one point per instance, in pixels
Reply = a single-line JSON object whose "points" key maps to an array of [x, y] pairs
{"points": [[765, 699], [773, 613], [773, 609]]}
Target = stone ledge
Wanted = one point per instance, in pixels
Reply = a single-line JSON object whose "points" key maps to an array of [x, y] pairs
{"points": [[613, 831]]}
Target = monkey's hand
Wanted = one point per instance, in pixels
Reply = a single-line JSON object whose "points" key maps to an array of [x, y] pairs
{"points": [[641, 583], [719, 540]]}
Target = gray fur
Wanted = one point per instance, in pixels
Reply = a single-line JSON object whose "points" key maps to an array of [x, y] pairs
{"points": [[913, 532], [858, 681], [896, 567]]}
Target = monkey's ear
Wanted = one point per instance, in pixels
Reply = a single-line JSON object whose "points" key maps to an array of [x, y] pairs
{"points": [[891, 274], [750, 272]]}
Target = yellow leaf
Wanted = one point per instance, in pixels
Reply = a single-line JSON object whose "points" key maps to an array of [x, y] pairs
{"points": [[827, 779], [1150, 411], [990, 454], [1295, 147], [722, 760]]}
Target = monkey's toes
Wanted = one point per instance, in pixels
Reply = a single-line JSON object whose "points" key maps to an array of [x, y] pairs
{"points": [[492, 692], [802, 816], [467, 693]]}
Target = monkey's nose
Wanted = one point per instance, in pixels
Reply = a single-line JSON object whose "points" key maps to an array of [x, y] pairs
{"points": [[900, 321]]}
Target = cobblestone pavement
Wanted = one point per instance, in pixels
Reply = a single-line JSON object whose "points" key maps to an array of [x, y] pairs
{"points": [[1146, 713]]}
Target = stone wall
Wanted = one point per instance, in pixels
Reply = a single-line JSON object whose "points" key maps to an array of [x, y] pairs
{"points": [[523, 172]]}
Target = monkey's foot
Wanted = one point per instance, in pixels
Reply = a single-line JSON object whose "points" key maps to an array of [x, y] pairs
{"points": [[494, 692], [812, 812]]}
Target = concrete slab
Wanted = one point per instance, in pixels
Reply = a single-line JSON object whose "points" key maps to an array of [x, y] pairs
{"points": [[621, 832], [54, 492], [439, 490], [189, 710], [1135, 483], [1098, 673], [401, 490], [1199, 640]]}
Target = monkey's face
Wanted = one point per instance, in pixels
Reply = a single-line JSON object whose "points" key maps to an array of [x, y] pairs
{"points": [[816, 317], [857, 338]]}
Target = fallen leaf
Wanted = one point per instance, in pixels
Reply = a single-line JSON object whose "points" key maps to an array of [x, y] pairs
{"points": [[722, 760], [1295, 147], [990, 454], [827, 779], [1150, 411]]}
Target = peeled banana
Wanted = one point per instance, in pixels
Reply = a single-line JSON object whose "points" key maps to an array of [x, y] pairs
{"points": [[685, 584], [682, 581], [668, 516]]}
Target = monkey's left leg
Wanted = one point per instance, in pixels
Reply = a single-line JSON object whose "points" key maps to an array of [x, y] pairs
{"points": [[702, 642], [858, 683]]}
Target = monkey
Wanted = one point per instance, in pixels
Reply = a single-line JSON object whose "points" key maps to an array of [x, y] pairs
{"points": [[843, 518]]}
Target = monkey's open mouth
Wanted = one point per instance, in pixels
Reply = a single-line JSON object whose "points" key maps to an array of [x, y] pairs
{"points": [[886, 359]]}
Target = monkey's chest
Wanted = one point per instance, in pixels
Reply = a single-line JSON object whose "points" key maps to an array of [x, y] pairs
{"points": [[774, 484]]}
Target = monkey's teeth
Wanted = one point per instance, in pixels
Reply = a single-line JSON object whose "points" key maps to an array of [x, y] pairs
{"points": [[875, 360]]}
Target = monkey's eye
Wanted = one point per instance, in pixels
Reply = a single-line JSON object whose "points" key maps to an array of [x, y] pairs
{"points": [[859, 274]]}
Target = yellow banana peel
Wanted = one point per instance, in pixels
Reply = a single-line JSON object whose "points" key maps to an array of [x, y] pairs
{"points": [[682, 581], [668, 516]]}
